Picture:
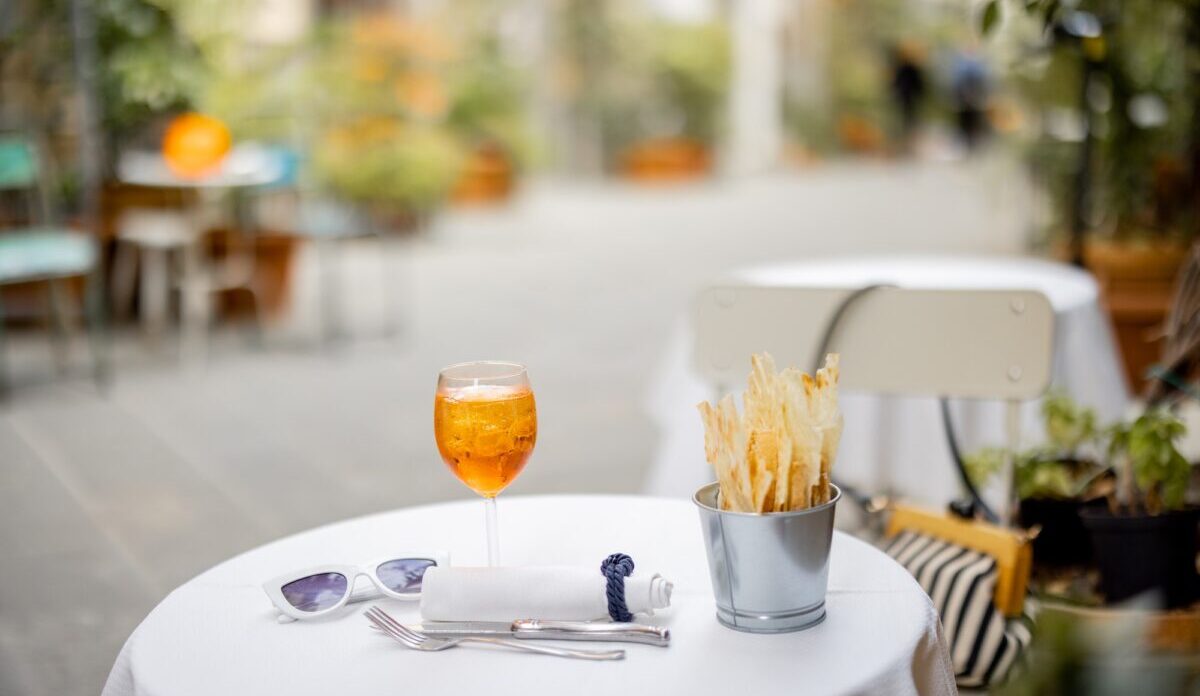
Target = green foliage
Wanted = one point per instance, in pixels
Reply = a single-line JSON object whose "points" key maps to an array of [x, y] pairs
{"points": [[384, 109], [628, 76], [148, 65], [693, 68], [1160, 472], [487, 102], [1046, 478], [1141, 58], [981, 466], [380, 163], [1068, 425], [1142, 452], [989, 17], [1036, 474]]}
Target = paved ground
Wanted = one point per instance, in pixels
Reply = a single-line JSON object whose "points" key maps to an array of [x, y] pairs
{"points": [[108, 503]]}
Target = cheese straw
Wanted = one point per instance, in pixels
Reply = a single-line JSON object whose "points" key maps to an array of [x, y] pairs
{"points": [[777, 455]]}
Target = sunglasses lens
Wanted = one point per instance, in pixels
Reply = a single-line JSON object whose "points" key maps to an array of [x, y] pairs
{"points": [[316, 592], [404, 574]]}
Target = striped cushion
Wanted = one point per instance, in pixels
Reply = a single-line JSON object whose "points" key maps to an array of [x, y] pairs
{"points": [[961, 582]]}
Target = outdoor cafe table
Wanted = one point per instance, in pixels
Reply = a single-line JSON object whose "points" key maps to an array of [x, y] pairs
{"points": [[896, 443], [217, 634], [243, 168]]}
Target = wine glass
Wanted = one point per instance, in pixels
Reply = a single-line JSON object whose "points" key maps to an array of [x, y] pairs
{"points": [[485, 424]]}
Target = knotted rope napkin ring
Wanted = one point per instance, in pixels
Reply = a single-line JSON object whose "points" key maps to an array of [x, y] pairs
{"points": [[615, 569]]}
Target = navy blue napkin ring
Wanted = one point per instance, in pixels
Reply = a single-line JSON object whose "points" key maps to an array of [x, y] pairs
{"points": [[615, 569]]}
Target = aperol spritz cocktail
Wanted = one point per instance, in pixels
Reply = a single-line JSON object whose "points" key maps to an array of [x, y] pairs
{"points": [[485, 424]]}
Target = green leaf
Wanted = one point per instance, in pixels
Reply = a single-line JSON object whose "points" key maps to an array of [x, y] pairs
{"points": [[1051, 14], [991, 15], [1149, 443]]}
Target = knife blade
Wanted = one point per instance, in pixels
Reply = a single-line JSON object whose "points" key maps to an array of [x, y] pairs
{"points": [[538, 629]]}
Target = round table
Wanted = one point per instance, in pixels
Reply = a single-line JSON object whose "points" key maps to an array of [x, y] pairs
{"points": [[896, 444], [217, 634], [246, 166]]}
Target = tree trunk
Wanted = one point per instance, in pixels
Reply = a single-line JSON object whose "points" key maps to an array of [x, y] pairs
{"points": [[91, 150]]}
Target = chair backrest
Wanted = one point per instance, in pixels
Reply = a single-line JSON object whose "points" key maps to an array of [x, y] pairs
{"points": [[18, 163], [954, 343]]}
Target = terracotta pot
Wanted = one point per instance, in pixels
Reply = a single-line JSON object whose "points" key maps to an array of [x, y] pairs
{"points": [[666, 160], [488, 177], [1127, 263], [860, 136], [1137, 282]]}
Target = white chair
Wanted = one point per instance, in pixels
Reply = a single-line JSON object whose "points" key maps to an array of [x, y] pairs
{"points": [[979, 344], [146, 240]]}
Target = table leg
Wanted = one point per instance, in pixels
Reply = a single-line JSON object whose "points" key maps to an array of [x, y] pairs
{"points": [[60, 328], [196, 299], [155, 293], [96, 314]]}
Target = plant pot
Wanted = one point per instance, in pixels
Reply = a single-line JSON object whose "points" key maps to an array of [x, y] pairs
{"points": [[860, 136], [1141, 553], [487, 177], [666, 160], [1137, 282], [1063, 541]]}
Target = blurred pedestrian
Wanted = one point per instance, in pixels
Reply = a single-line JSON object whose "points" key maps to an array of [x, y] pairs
{"points": [[970, 88], [908, 91]]}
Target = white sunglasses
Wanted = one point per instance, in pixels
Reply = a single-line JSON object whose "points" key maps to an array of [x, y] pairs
{"points": [[319, 590]]}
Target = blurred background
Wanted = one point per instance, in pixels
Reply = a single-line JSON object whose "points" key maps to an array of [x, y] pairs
{"points": [[294, 212]]}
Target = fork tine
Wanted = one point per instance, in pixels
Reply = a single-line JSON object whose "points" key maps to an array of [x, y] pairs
{"points": [[384, 619], [391, 632], [376, 621], [401, 628]]}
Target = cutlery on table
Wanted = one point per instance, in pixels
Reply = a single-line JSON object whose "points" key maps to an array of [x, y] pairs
{"points": [[420, 641], [527, 629]]}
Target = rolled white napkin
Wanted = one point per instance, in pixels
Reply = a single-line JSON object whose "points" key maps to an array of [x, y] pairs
{"points": [[506, 594]]}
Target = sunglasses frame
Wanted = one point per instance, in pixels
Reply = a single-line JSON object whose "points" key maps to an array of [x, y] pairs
{"points": [[274, 587]]}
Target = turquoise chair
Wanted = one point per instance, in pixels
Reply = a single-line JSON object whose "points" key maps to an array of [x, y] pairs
{"points": [[44, 253]]}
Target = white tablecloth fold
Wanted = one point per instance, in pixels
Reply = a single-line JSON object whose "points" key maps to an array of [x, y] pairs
{"points": [[503, 594]]}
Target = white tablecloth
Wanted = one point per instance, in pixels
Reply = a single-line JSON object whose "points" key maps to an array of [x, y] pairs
{"points": [[897, 444], [217, 634]]}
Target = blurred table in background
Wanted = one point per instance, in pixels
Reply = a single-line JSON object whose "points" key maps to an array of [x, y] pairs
{"points": [[244, 167], [217, 634], [897, 444]]}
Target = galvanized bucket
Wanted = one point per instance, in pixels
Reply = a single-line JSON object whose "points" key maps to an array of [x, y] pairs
{"points": [[769, 571]]}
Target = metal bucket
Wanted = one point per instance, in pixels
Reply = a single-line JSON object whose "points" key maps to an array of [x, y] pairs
{"points": [[769, 571]]}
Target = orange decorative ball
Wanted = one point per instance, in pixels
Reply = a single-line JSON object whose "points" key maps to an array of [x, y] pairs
{"points": [[195, 144]]}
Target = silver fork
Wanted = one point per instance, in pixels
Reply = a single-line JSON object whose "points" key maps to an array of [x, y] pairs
{"points": [[420, 641]]}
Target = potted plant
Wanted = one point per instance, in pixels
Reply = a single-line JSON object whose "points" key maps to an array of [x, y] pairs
{"points": [[644, 96], [1055, 481], [1145, 539], [690, 74], [1126, 189], [376, 117], [487, 113]]}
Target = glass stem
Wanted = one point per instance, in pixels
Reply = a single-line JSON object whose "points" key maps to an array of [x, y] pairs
{"points": [[493, 536]]}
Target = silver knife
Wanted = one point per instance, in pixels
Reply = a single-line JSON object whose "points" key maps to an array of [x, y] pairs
{"points": [[539, 629]]}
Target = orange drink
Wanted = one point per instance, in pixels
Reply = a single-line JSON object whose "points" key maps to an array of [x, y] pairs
{"points": [[485, 425], [485, 433]]}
